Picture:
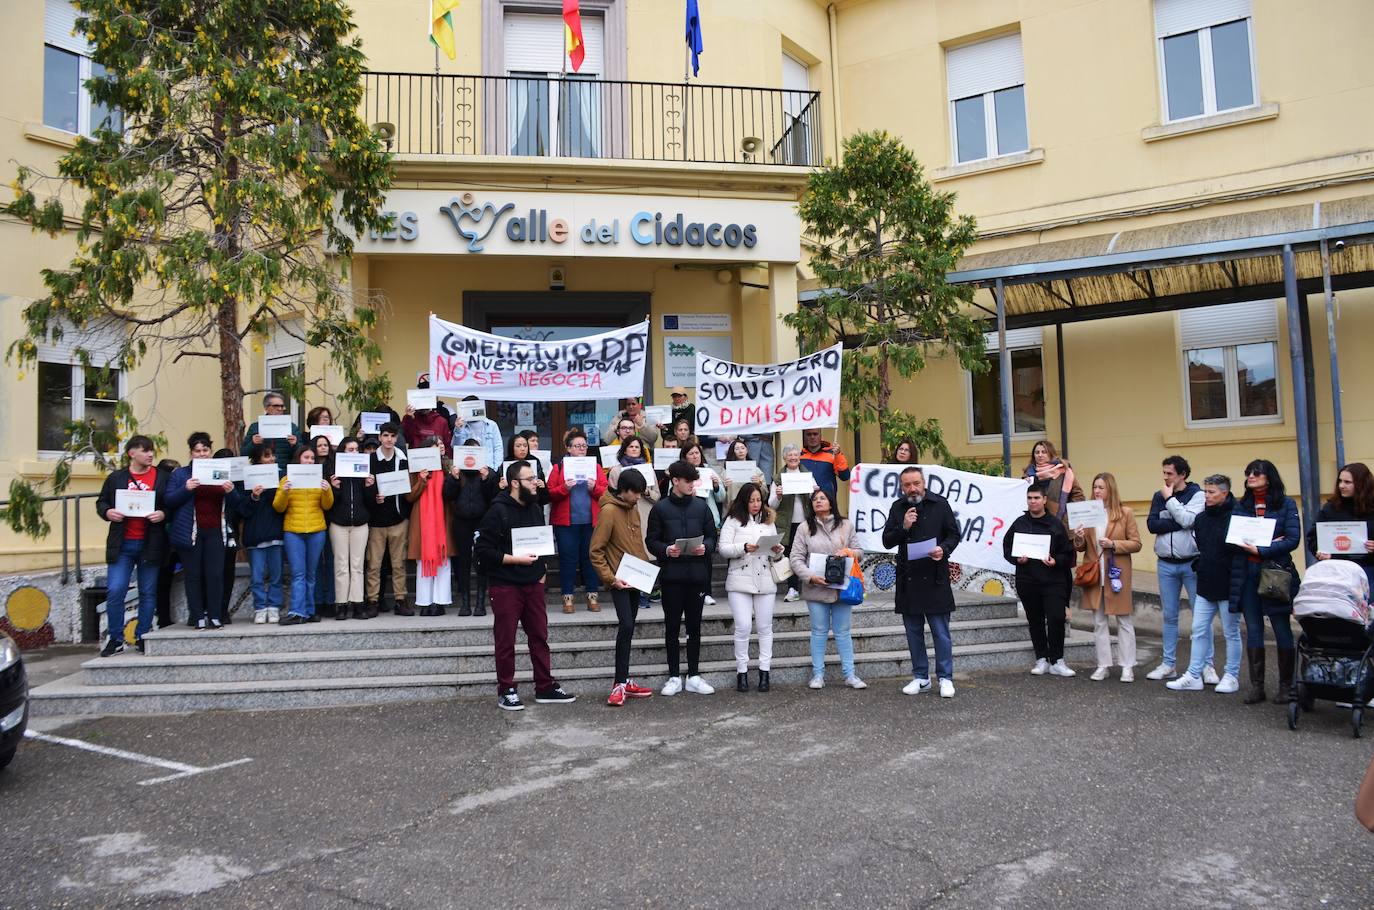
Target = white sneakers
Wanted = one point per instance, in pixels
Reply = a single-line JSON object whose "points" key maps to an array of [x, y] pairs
{"points": [[1128, 674], [946, 688], [698, 686], [1100, 674], [817, 682], [1228, 685], [916, 687], [1163, 671], [1059, 668], [709, 601], [792, 596], [273, 615], [1185, 683], [259, 617], [1209, 675], [1041, 667], [672, 687], [854, 682]]}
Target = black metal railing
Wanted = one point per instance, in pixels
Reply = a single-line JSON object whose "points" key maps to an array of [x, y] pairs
{"points": [[70, 551], [573, 117]]}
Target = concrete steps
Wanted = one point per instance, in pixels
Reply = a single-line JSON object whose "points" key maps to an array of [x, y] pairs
{"points": [[392, 658]]}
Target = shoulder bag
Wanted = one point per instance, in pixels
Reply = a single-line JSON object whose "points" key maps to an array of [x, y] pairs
{"points": [[1276, 582]]}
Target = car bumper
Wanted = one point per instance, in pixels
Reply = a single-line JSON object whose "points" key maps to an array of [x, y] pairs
{"points": [[14, 702]]}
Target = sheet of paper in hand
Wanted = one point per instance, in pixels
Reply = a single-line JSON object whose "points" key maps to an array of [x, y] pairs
{"points": [[798, 482], [237, 465], [352, 464], [304, 476], [421, 399], [1341, 537], [261, 475], [1258, 532], [274, 426], [394, 483], [537, 540], [741, 471], [470, 458], [213, 471], [664, 458], [135, 503], [334, 434], [609, 456], [1031, 546], [426, 459], [577, 468], [472, 410], [921, 549], [371, 422], [637, 573], [1091, 513]]}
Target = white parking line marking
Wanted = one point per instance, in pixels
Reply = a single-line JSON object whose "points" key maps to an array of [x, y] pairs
{"points": [[181, 768]]}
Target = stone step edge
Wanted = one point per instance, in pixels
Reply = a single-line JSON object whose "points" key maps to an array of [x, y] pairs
{"points": [[280, 657], [72, 686]]}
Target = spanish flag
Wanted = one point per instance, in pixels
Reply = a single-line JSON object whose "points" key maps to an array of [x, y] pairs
{"points": [[572, 33], [441, 26]]}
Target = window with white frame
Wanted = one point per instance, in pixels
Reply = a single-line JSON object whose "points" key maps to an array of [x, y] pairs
{"points": [[1027, 387], [538, 106], [1230, 362], [798, 115], [69, 392], [284, 358], [987, 98], [67, 65], [1206, 56]]}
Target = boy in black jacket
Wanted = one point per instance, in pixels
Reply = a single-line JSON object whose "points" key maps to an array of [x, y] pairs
{"points": [[133, 544], [684, 577], [1043, 584], [517, 590], [262, 538]]}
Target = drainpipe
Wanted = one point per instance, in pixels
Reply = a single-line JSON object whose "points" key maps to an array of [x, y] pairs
{"points": [[838, 139]]}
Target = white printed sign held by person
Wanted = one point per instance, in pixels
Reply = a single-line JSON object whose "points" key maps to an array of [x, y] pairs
{"points": [[741, 399], [983, 506], [463, 361]]}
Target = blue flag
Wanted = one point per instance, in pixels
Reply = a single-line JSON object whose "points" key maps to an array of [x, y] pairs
{"points": [[694, 34]]}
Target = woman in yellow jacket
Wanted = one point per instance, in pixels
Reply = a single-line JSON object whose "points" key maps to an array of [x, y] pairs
{"points": [[303, 509], [1111, 595]]}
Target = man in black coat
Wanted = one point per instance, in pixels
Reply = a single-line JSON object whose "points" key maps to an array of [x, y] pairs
{"points": [[134, 546], [684, 577], [921, 526], [1042, 584]]}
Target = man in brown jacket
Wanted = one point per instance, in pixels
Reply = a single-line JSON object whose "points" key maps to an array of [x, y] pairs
{"points": [[617, 534]]}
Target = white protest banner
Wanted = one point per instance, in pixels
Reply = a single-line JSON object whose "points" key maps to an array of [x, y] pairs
{"points": [[983, 506], [464, 361], [304, 476], [352, 464], [135, 503], [394, 483], [371, 422], [427, 459], [470, 458], [261, 475], [274, 426], [1340, 537], [735, 398], [210, 470]]}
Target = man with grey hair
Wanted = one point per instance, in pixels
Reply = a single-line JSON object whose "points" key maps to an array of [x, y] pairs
{"points": [[273, 403], [1213, 590]]}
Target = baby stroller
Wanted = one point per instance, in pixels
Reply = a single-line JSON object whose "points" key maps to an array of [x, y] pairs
{"points": [[1336, 648]]}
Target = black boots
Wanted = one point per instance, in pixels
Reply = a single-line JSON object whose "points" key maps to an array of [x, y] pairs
{"points": [[465, 606], [1255, 658], [372, 610], [763, 681], [341, 611], [361, 612], [402, 609], [741, 682], [479, 606], [1287, 659]]}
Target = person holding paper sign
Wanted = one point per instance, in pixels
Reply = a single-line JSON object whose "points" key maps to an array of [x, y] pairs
{"points": [[422, 424], [1353, 500], [738, 450], [695, 455], [823, 459], [791, 509], [133, 546], [200, 531], [273, 404], [471, 497], [1265, 497], [685, 577], [618, 534], [1057, 474], [749, 581], [572, 512], [303, 523], [1173, 509], [1213, 590], [482, 429], [517, 590], [632, 454], [1111, 596], [324, 576], [638, 425], [518, 449], [1043, 584], [826, 532], [431, 534], [924, 593], [348, 533], [262, 538], [388, 525]]}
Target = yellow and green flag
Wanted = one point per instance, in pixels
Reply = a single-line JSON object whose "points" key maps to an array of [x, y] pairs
{"points": [[441, 26]]}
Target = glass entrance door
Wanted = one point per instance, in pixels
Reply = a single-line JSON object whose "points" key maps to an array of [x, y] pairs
{"points": [[551, 419]]}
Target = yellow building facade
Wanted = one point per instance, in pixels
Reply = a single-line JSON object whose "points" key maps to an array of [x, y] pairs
{"points": [[1057, 122]]}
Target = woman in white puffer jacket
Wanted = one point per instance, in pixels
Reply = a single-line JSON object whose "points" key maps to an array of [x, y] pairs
{"points": [[749, 580]]}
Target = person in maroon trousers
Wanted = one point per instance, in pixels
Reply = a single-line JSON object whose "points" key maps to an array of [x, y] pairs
{"points": [[516, 584]]}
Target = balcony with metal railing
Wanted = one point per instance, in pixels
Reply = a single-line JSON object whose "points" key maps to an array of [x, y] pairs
{"points": [[580, 118]]}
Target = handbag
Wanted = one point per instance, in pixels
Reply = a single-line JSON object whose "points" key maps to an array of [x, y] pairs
{"points": [[1364, 799], [780, 569], [1088, 574], [853, 591], [1276, 582], [835, 567]]}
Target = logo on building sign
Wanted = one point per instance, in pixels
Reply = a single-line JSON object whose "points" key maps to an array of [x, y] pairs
{"points": [[476, 223]]}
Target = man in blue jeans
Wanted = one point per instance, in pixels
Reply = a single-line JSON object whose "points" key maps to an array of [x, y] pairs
{"points": [[1172, 513], [135, 543], [921, 526]]}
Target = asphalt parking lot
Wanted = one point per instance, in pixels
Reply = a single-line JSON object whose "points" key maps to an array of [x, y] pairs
{"points": [[1019, 792]]}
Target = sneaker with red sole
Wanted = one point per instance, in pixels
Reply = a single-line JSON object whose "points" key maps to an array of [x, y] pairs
{"points": [[634, 691], [617, 696]]}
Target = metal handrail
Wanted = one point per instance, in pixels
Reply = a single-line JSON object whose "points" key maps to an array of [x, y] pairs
{"points": [[581, 118], [67, 548]]}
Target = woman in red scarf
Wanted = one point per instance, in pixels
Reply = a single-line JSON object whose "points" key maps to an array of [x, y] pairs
{"points": [[1048, 468], [431, 542]]}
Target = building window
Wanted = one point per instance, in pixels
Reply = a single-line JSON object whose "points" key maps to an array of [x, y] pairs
{"points": [[1027, 387], [987, 99], [1205, 56], [546, 116], [67, 66], [798, 116], [68, 393], [1230, 358]]}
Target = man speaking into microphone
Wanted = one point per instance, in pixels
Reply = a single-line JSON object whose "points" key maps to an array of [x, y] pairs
{"points": [[921, 526]]}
